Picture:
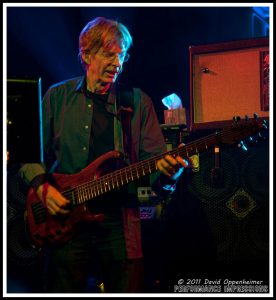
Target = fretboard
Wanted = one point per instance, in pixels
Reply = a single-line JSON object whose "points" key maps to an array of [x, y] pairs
{"points": [[119, 178]]}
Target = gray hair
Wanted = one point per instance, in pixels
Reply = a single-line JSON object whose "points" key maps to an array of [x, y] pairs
{"points": [[102, 32]]}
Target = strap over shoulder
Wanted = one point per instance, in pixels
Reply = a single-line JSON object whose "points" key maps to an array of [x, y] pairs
{"points": [[125, 103], [125, 97]]}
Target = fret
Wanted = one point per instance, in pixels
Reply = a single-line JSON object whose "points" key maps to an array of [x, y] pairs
{"points": [[88, 192], [137, 172], [112, 183], [101, 188], [149, 167], [84, 194], [79, 195], [126, 176], [122, 179], [131, 175], [92, 193], [155, 166], [187, 154], [73, 198]]}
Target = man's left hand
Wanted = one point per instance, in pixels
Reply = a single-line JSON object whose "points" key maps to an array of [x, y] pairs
{"points": [[172, 167]]}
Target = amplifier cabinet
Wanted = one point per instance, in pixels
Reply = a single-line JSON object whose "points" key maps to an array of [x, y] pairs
{"points": [[228, 79], [24, 123]]}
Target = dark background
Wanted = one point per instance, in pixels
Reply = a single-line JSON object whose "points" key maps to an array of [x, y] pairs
{"points": [[43, 42]]}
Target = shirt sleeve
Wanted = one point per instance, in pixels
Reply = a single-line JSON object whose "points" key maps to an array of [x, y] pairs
{"points": [[153, 143], [28, 172]]}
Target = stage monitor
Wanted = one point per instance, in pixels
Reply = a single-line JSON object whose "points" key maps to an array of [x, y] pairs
{"points": [[24, 127]]}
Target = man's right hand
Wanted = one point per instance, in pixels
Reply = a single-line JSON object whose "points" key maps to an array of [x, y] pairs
{"points": [[52, 199]]}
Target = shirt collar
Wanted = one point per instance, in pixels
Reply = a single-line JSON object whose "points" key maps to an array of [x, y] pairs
{"points": [[82, 88]]}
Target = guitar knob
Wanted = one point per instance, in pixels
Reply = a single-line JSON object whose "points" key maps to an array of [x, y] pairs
{"points": [[255, 116], [58, 232]]}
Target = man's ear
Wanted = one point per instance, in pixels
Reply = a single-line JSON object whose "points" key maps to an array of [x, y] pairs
{"points": [[86, 57]]}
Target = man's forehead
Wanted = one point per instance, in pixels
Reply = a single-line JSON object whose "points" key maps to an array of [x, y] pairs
{"points": [[114, 45]]}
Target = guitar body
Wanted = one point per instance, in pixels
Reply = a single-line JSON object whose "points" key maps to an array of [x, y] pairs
{"points": [[46, 229]]}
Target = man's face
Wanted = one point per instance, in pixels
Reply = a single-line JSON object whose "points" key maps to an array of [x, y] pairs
{"points": [[106, 64]]}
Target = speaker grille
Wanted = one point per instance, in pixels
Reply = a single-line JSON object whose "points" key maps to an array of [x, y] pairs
{"points": [[237, 211], [255, 173], [225, 230], [19, 248], [201, 184], [20, 252]]}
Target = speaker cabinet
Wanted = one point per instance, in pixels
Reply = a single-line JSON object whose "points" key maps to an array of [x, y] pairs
{"points": [[24, 126], [237, 208], [228, 79], [24, 262]]}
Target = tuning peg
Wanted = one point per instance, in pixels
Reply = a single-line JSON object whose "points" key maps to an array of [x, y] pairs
{"points": [[262, 136], [265, 124], [252, 141], [246, 118], [242, 145], [255, 116]]}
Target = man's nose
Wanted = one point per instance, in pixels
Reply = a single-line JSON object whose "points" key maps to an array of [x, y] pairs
{"points": [[117, 61]]}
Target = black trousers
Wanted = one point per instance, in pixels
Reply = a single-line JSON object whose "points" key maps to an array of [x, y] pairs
{"points": [[97, 251]]}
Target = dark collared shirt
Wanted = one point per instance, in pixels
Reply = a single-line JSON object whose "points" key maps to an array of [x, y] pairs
{"points": [[67, 121]]}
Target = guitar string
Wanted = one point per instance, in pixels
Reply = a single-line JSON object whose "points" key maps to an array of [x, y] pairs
{"points": [[88, 190], [100, 183]]}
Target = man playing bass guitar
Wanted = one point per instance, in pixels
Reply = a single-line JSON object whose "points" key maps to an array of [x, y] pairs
{"points": [[83, 133]]}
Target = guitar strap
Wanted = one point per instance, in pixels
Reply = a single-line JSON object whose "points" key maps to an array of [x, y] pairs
{"points": [[125, 101], [130, 211]]}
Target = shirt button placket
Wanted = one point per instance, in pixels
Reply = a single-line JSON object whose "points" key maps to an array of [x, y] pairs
{"points": [[86, 127]]}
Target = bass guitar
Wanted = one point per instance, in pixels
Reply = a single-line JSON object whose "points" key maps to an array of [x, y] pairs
{"points": [[92, 182]]}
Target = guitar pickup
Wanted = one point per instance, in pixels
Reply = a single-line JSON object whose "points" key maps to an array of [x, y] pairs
{"points": [[39, 213]]}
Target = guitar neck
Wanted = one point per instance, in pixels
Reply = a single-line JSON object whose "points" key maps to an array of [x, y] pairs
{"points": [[119, 178]]}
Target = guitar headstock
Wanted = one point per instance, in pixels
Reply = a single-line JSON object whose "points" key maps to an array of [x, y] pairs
{"points": [[240, 129]]}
